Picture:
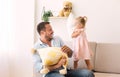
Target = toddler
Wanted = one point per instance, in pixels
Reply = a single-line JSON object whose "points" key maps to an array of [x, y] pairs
{"points": [[80, 43]]}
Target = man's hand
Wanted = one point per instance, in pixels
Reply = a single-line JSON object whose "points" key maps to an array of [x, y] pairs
{"points": [[58, 65], [67, 50], [61, 62]]}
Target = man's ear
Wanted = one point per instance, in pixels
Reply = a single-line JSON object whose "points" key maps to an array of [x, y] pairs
{"points": [[42, 32]]}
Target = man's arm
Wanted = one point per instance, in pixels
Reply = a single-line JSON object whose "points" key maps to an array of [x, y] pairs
{"points": [[58, 65], [37, 62]]}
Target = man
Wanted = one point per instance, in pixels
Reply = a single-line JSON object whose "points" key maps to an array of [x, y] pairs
{"points": [[48, 40]]}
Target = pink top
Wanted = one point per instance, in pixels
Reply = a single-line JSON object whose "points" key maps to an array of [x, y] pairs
{"points": [[80, 46]]}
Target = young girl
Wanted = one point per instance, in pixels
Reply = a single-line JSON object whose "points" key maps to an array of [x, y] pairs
{"points": [[80, 43]]}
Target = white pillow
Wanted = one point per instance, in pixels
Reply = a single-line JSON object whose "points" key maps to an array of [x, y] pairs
{"points": [[70, 24]]}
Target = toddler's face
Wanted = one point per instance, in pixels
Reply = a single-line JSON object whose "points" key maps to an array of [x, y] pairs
{"points": [[77, 24]]}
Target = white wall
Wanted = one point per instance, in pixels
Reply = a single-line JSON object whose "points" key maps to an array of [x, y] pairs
{"points": [[21, 58], [103, 18], [16, 38], [5, 23]]}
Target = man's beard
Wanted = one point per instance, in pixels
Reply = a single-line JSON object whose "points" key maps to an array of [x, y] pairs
{"points": [[48, 38]]}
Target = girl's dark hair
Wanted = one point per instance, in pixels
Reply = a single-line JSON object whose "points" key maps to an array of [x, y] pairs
{"points": [[41, 26]]}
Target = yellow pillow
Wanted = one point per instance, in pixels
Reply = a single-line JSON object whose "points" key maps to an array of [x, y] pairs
{"points": [[51, 56]]}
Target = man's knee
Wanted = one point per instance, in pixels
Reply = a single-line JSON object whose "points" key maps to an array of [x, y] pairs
{"points": [[85, 73], [54, 75]]}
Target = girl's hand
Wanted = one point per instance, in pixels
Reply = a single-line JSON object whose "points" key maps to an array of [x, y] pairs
{"points": [[78, 32]]}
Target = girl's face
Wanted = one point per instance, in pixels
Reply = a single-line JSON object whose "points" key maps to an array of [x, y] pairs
{"points": [[78, 25]]}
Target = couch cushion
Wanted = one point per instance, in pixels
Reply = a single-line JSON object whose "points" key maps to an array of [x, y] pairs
{"points": [[107, 58], [93, 46], [106, 75]]}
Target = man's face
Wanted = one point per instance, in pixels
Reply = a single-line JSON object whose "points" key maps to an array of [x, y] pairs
{"points": [[48, 33]]}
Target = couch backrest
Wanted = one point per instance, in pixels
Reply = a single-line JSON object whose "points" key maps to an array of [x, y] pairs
{"points": [[107, 58]]}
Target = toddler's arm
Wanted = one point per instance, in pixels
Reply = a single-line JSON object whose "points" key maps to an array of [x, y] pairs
{"points": [[75, 33]]}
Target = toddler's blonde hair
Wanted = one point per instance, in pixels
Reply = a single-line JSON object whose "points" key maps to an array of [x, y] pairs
{"points": [[81, 20]]}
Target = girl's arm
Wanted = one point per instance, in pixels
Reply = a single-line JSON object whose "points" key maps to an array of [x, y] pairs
{"points": [[75, 34]]}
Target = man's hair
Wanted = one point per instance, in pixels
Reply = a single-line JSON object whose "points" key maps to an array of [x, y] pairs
{"points": [[41, 26]]}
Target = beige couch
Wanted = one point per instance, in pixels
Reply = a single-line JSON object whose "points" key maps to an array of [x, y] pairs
{"points": [[106, 59]]}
